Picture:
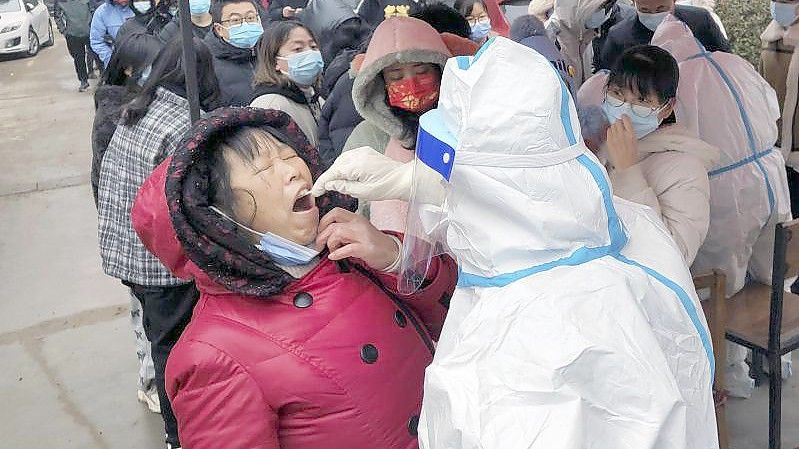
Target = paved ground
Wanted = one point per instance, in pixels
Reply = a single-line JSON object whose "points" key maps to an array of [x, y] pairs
{"points": [[68, 371]]}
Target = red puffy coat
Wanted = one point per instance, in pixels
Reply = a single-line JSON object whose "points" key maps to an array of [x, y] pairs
{"points": [[336, 360]]}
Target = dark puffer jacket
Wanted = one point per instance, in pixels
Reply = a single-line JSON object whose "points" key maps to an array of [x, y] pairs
{"points": [[108, 101], [339, 118], [234, 68], [334, 359]]}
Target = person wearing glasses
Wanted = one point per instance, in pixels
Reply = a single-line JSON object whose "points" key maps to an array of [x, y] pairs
{"points": [[237, 29], [476, 13], [651, 160]]}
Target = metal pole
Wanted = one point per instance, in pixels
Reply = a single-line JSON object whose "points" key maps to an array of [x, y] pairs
{"points": [[189, 60]]}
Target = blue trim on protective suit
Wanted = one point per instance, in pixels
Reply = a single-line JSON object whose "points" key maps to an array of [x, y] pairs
{"points": [[740, 163], [747, 126]]}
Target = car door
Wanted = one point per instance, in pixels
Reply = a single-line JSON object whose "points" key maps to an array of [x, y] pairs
{"points": [[38, 19]]}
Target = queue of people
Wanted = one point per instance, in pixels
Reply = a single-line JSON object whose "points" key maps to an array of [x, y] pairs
{"points": [[396, 200]]}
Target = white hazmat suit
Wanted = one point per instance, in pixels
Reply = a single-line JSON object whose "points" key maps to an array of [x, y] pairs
{"points": [[723, 100], [575, 323]]}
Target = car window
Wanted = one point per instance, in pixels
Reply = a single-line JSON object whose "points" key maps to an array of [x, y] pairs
{"points": [[10, 6]]}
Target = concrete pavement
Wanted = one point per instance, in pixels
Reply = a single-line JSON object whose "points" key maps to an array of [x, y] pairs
{"points": [[68, 372]]}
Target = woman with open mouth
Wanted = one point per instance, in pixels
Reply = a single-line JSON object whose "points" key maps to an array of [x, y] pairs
{"points": [[299, 338]]}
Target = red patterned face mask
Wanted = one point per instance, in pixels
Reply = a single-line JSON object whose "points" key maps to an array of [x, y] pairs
{"points": [[415, 94]]}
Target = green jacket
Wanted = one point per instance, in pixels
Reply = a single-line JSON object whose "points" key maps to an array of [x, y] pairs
{"points": [[73, 17]]}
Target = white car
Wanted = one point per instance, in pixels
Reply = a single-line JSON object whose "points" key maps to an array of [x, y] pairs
{"points": [[24, 26]]}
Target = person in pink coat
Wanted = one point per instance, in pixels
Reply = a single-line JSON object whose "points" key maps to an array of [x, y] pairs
{"points": [[288, 348]]}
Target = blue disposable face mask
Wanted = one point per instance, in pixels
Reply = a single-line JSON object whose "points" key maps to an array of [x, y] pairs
{"points": [[480, 30], [643, 126], [305, 67], [281, 251], [596, 19], [245, 35], [783, 13], [652, 21], [197, 7]]}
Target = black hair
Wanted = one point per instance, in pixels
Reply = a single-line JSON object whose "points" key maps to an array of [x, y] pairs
{"points": [[244, 143], [136, 51], [444, 19], [646, 70], [465, 7], [217, 5], [168, 72], [348, 35], [266, 52]]}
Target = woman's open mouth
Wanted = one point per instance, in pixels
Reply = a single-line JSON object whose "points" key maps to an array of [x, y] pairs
{"points": [[305, 202]]}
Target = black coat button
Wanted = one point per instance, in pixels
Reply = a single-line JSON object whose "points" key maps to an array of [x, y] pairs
{"points": [[303, 300], [445, 299], [369, 353], [400, 319], [413, 425]]}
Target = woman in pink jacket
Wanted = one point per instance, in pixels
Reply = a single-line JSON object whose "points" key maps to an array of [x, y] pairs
{"points": [[287, 348]]}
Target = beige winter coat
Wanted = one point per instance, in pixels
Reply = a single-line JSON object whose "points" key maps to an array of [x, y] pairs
{"points": [[779, 65], [306, 115], [671, 178]]}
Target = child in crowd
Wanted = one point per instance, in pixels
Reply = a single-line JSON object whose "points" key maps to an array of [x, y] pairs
{"points": [[289, 347]]}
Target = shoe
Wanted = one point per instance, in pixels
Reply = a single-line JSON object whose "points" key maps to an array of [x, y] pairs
{"points": [[169, 446], [84, 86], [150, 399]]}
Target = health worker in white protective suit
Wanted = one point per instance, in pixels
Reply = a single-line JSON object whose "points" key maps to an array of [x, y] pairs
{"points": [[575, 322], [724, 101]]}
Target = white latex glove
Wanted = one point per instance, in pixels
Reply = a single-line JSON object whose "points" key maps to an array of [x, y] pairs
{"points": [[365, 174]]}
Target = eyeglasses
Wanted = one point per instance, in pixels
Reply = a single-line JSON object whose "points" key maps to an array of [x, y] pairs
{"points": [[250, 18], [475, 20], [639, 110]]}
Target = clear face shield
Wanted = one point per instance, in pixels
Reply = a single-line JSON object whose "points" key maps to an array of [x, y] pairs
{"points": [[425, 235]]}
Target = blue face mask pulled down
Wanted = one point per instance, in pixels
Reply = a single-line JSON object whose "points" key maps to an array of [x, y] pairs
{"points": [[643, 126], [783, 13], [197, 7], [281, 251], [480, 30], [652, 21], [305, 67], [245, 35]]}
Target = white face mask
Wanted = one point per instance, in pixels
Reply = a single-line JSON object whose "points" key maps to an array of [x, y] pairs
{"points": [[652, 21]]}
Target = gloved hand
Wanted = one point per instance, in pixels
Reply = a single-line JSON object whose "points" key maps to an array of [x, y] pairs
{"points": [[365, 174]]}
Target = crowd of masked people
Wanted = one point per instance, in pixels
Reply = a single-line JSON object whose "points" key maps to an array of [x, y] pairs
{"points": [[249, 337]]}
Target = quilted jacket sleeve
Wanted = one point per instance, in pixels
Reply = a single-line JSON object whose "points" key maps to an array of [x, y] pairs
{"points": [[217, 403]]}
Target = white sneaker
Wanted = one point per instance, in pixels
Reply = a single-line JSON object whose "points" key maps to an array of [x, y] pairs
{"points": [[150, 399]]}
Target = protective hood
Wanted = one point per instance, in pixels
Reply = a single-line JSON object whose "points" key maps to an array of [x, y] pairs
{"points": [[723, 86], [396, 40], [526, 203], [324, 16], [674, 36], [172, 216]]}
